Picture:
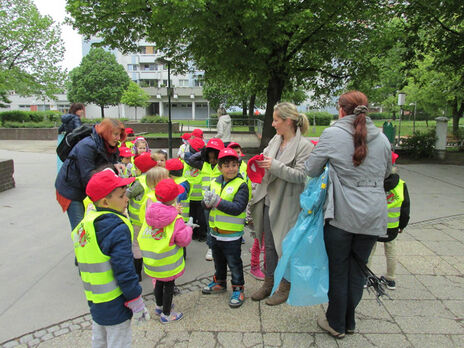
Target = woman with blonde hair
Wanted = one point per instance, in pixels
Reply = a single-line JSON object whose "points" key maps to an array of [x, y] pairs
{"points": [[98, 149], [276, 202]]}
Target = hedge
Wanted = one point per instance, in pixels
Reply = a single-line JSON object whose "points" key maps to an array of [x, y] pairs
{"points": [[44, 124], [154, 119], [98, 120], [322, 118], [237, 119], [29, 116]]}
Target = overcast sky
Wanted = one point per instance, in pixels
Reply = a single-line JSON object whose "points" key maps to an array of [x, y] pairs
{"points": [[72, 40]]}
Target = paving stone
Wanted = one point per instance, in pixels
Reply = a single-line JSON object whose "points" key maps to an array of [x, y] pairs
{"points": [[324, 340], [355, 341], [74, 327], [432, 325], [78, 320], [431, 265], [388, 341], [48, 336], [444, 287], [417, 308], [379, 264], [53, 328], [445, 248], [146, 338], [295, 340], [39, 333], [25, 339], [251, 339], [65, 324], [410, 247], [429, 234], [430, 341], [75, 339], [11, 344], [457, 234], [458, 340], [202, 339], [456, 307], [175, 339], [293, 319], [61, 332], [230, 339], [408, 287], [34, 342], [272, 339], [456, 261]]}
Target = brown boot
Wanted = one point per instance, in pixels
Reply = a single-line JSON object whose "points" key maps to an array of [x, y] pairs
{"points": [[281, 295], [265, 289]]}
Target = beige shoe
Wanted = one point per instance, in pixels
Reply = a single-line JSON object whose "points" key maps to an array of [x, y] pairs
{"points": [[265, 289], [323, 323], [281, 294]]}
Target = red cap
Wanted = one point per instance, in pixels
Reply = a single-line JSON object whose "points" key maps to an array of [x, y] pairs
{"points": [[167, 190], [394, 157], [129, 131], [103, 183], [233, 145], [125, 152], [174, 164], [227, 152], [196, 143], [144, 162], [314, 142], [186, 136], [198, 133], [254, 172], [215, 143]]}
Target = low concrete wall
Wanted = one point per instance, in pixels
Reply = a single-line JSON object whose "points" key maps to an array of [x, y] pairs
{"points": [[162, 143], [152, 127], [6, 175]]}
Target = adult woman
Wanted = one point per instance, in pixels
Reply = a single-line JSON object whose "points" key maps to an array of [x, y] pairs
{"points": [[69, 122], [224, 126], [95, 151], [356, 209], [275, 204]]}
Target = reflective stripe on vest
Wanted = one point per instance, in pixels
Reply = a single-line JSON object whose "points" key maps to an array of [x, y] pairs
{"points": [[193, 176], [98, 279], [184, 203], [224, 221], [134, 205], [160, 260], [395, 199]]}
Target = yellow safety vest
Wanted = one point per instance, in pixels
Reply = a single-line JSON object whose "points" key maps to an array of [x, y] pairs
{"points": [[88, 205], [220, 222], [143, 206], [160, 260], [135, 205], [100, 285], [193, 176], [208, 174], [243, 172], [395, 198], [184, 203]]}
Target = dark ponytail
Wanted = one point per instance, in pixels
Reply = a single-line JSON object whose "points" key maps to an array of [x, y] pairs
{"points": [[355, 102]]}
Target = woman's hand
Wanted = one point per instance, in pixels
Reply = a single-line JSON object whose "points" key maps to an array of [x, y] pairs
{"points": [[266, 163], [119, 167]]}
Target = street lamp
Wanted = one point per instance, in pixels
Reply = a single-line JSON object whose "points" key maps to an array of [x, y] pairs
{"points": [[170, 93], [401, 101], [414, 118]]}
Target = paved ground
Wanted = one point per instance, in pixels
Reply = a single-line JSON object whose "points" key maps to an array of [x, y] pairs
{"points": [[42, 303]]}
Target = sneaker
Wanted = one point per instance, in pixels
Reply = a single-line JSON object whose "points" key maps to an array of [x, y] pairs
{"points": [[391, 285], [243, 240], [237, 298], [209, 255], [159, 310], [257, 273], [214, 287], [174, 316]]}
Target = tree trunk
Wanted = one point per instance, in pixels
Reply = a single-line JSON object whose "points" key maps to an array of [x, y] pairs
{"points": [[251, 116], [136, 113], [457, 114], [244, 109], [102, 107], [274, 93]]}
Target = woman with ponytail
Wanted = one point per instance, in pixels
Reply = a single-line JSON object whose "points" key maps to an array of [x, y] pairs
{"points": [[359, 159], [276, 201]]}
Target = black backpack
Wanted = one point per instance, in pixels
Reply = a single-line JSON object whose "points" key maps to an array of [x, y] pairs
{"points": [[72, 138]]}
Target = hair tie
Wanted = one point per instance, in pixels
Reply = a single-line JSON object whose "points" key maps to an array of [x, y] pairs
{"points": [[360, 109]]}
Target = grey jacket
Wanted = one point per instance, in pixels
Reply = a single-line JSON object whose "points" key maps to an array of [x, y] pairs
{"points": [[224, 127], [356, 199]]}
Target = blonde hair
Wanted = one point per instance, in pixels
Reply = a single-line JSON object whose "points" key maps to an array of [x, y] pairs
{"points": [[288, 110], [155, 175]]}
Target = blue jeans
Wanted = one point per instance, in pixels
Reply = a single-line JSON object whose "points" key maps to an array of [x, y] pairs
{"points": [[346, 279], [75, 213], [228, 254]]}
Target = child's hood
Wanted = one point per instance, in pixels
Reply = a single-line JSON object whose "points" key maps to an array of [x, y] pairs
{"points": [[159, 215]]}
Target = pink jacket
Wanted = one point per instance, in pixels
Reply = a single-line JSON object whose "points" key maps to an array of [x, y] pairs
{"points": [[159, 215]]}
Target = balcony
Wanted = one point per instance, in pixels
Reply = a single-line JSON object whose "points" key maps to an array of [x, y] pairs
{"points": [[149, 75], [179, 91]]}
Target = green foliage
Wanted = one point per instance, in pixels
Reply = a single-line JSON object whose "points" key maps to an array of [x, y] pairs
{"points": [[31, 50], [322, 118], [380, 115], [237, 119], [135, 96], [98, 120], [29, 116], [99, 79], [13, 124], [420, 144], [154, 119]]}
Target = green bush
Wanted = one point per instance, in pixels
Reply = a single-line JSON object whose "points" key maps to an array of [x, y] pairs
{"points": [[380, 115], [44, 124], [322, 118], [154, 119], [29, 116], [420, 144], [237, 119]]}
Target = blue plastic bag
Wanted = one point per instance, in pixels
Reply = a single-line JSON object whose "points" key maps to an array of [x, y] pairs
{"points": [[304, 261]]}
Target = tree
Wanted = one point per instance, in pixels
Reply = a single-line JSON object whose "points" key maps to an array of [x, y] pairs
{"points": [[135, 96], [284, 43], [30, 50], [99, 79]]}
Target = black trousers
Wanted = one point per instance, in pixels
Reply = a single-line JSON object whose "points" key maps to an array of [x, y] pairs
{"points": [[164, 291], [346, 279], [197, 212]]}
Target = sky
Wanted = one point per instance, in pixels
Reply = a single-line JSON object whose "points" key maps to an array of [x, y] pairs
{"points": [[72, 39]]}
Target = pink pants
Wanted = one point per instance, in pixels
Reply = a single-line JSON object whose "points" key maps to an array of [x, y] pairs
{"points": [[256, 250]]}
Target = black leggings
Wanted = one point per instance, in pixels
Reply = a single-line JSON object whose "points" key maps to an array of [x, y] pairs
{"points": [[163, 295]]}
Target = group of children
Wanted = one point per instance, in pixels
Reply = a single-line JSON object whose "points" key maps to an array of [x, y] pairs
{"points": [[148, 224]]}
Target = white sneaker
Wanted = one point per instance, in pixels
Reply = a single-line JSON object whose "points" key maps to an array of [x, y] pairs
{"points": [[209, 255]]}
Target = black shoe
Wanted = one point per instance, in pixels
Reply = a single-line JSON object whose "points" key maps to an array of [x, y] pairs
{"points": [[176, 291], [202, 239], [391, 285]]}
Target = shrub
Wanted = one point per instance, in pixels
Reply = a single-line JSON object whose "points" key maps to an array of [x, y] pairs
{"points": [[322, 118], [237, 119], [380, 115], [29, 116], [420, 144], [44, 124], [154, 119]]}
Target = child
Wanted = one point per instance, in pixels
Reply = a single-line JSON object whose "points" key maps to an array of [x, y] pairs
{"points": [[206, 161], [153, 177], [130, 137], [136, 194], [164, 234], [140, 146], [398, 205], [227, 199], [161, 157], [197, 133], [176, 169], [102, 243], [125, 157], [182, 149]]}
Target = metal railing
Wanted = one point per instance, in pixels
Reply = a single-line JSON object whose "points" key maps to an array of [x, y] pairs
{"points": [[245, 124]]}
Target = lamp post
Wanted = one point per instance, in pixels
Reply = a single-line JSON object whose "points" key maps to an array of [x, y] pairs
{"points": [[401, 100], [414, 118]]}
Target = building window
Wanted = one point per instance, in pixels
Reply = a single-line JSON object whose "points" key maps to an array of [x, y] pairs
{"points": [[148, 67], [198, 83], [142, 49], [183, 83], [132, 67], [43, 107], [63, 108], [148, 83], [24, 106]]}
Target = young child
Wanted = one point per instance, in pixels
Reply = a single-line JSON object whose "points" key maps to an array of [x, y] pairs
{"points": [[136, 194], [176, 169], [161, 157], [197, 133], [102, 244], [227, 199], [140, 146], [125, 157], [153, 177], [398, 205], [183, 148], [163, 236], [130, 137]]}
